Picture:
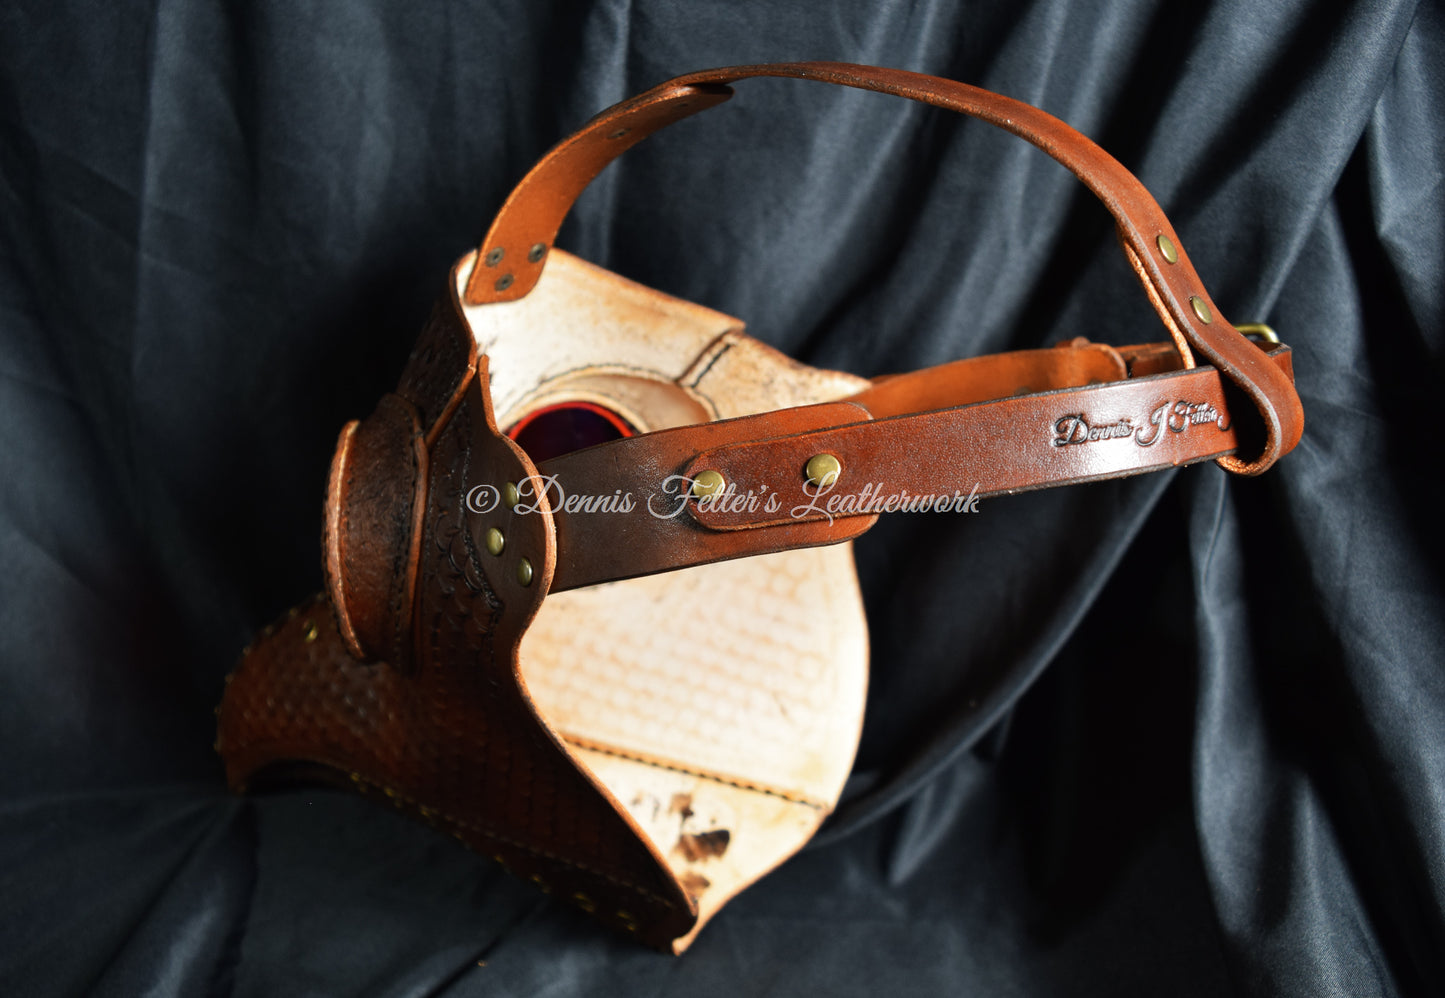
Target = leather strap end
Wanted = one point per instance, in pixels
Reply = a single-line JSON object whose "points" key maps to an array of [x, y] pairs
{"points": [[515, 249], [1196, 326]]}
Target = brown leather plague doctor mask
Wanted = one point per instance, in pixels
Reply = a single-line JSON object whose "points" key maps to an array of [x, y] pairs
{"points": [[577, 476]]}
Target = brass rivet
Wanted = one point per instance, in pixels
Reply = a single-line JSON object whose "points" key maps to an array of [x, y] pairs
{"points": [[823, 469], [524, 572], [309, 631], [510, 495], [1201, 309], [504, 282], [708, 483], [495, 541], [537, 252], [619, 133], [584, 902], [542, 885], [628, 920], [494, 256], [1167, 250]]}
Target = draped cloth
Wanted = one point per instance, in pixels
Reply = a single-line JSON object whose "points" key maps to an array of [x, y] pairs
{"points": [[1178, 735]]}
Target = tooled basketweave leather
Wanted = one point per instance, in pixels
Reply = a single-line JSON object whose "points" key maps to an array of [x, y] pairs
{"points": [[591, 742]]}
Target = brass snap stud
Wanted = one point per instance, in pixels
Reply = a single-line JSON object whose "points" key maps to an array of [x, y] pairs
{"points": [[708, 483], [510, 495], [1201, 309], [823, 469], [524, 573], [1167, 250], [495, 541]]}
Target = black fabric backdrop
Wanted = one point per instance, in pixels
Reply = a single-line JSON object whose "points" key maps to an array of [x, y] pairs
{"points": [[1178, 735]]}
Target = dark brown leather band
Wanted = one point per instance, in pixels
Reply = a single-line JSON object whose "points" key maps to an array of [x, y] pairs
{"points": [[514, 251]]}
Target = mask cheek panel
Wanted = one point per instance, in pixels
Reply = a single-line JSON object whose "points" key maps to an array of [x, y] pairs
{"points": [[720, 706]]}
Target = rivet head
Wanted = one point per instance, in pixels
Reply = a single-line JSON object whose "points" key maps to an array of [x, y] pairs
{"points": [[309, 631], [495, 541], [708, 483], [504, 282], [494, 256], [524, 573], [1201, 309], [584, 902], [823, 469], [1167, 250], [535, 254], [510, 495]]}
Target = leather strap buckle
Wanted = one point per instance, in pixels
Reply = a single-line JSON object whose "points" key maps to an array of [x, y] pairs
{"points": [[1259, 333]]}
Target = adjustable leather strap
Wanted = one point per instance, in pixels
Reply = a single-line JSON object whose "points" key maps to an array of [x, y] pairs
{"points": [[1066, 428], [920, 461], [514, 252]]}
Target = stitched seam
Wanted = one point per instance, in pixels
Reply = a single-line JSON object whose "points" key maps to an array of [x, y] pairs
{"points": [[506, 840], [711, 361], [587, 743], [652, 374], [401, 622]]}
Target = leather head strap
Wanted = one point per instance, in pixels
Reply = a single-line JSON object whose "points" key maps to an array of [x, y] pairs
{"points": [[515, 249]]}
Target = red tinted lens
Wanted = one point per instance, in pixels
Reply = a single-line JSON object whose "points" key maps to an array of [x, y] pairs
{"points": [[565, 427]]}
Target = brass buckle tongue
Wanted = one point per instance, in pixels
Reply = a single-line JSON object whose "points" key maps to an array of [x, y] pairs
{"points": [[1259, 332]]}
